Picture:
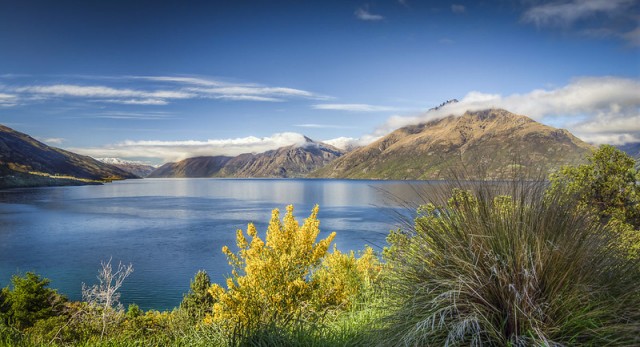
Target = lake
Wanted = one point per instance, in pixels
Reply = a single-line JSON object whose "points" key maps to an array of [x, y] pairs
{"points": [[170, 228]]}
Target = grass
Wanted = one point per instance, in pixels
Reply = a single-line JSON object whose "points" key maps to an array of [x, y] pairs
{"points": [[527, 272]]}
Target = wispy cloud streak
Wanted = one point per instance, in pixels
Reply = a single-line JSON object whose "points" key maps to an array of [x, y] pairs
{"points": [[364, 14], [152, 90]]}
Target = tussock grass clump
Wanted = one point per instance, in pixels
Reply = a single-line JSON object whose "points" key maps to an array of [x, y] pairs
{"points": [[504, 265]]}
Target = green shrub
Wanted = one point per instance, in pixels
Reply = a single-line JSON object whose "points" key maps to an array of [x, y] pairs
{"points": [[485, 268], [608, 187], [198, 302], [29, 301]]}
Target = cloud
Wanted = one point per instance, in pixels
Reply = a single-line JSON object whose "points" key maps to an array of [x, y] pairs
{"points": [[54, 140], [321, 126], [633, 36], [72, 90], [130, 115], [349, 143], [363, 13], [254, 93], [596, 109], [561, 13], [137, 101], [353, 107], [457, 9], [591, 18], [177, 150], [181, 80], [7, 100], [154, 90]]}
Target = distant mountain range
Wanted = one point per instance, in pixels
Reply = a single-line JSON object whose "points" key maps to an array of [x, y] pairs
{"points": [[134, 167], [26, 162], [289, 161], [632, 149], [482, 144]]}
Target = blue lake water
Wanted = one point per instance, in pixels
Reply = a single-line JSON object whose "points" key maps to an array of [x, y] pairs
{"points": [[170, 228]]}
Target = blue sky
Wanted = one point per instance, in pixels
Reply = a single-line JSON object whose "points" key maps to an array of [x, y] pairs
{"points": [[160, 81]]}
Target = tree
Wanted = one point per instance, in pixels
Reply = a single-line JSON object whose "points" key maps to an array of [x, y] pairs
{"points": [[608, 186], [105, 296], [198, 301], [30, 300]]}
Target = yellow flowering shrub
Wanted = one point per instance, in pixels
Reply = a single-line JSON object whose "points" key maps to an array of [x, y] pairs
{"points": [[271, 280], [343, 279]]}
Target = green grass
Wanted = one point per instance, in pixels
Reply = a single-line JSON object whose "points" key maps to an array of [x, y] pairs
{"points": [[535, 272]]}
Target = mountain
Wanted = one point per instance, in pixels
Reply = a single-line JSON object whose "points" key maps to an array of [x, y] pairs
{"points": [[290, 161], [134, 167], [632, 149], [191, 167], [26, 162], [481, 144]]}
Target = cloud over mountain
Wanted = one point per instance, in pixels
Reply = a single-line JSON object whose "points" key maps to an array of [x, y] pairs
{"points": [[597, 109], [178, 150]]}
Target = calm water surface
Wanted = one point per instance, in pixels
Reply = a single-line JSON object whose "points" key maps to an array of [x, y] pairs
{"points": [[170, 228]]}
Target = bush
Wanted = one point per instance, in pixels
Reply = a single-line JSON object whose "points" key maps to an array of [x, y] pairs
{"points": [[198, 302], [517, 269], [270, 280], [29, 301], [282, 289], [344, 280], [607, 186]]}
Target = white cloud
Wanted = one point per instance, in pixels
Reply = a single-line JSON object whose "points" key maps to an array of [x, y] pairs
{"points": [[247, 98], [353, 107], [254, 93], [320, 126], [633, 36], [54, 140], [72, 90], [363, 13], [178, 150], [7, 100], [349, 143], [137, 101], [591, 107], [181, 80], [157, 90], [457, 9], [564, 13]]}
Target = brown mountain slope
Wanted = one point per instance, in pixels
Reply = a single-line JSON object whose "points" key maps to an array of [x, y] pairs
{"points": [[24, 159], [191, 167], [290, 161], [482, 144]]}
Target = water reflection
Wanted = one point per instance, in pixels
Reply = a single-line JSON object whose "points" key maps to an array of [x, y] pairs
{"points": [[171, 228]]}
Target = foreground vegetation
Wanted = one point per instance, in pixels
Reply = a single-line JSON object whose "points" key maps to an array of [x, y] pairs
{"points": [[522, 264]]}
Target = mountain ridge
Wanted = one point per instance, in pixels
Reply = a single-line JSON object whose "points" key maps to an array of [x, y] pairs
{"points": [[285, 162], [26, 162], [490, 142]]}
